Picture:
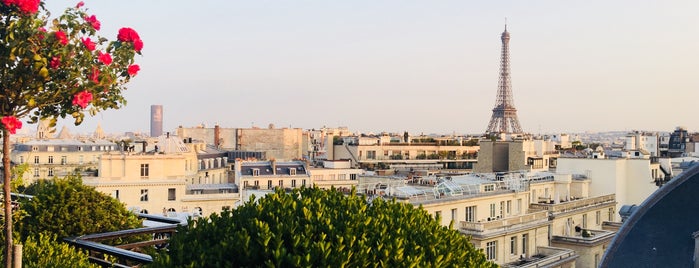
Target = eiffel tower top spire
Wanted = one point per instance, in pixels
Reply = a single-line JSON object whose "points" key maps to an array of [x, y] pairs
{"points": [[504, 119]]}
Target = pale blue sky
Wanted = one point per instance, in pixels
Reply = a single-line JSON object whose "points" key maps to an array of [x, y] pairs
{"points": [[420, 66]]}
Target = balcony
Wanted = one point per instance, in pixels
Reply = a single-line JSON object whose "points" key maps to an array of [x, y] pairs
{"points": [[575, 204], [585, 237], [499, 226], [545, 257]]}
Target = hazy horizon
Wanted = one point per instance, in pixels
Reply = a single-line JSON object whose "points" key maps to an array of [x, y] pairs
{"points": [[417, 66]]}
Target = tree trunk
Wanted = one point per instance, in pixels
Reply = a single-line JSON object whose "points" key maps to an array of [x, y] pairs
{"points": [[8, 199]]}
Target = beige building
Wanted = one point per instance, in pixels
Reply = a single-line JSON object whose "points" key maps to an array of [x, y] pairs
{"points": [[338, 174], [387, 152], [47, 157], [277, 143], [631, 179], [164, 181], [515, 217], [268, 175], [522, 154]]}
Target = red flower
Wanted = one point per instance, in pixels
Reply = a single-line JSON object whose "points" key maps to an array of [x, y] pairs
{"points": [[80, 4], [88, 44], [95, 77], [133, 69], [11, 123], [94, 22], [105, 58], [62, 38], [127, 35], [82, 99], [55, 62], [138, 45], [25, 6]]}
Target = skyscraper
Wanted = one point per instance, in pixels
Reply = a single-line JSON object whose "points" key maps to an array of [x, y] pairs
{"points": [[504, 119], [156, 120]]}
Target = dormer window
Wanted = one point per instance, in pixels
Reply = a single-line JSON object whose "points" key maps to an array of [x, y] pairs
{"points": [[292, 171], [489, 188], [255, 172]]}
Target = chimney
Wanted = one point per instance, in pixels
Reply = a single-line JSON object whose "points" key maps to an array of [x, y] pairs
{"points": [[217, 136], [274, 166]]}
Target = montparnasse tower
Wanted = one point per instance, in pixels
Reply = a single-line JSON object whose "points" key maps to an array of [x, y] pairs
{"points": [[504, 119]]}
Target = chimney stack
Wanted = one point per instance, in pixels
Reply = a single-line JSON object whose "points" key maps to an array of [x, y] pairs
{"points": [[217, 136]]}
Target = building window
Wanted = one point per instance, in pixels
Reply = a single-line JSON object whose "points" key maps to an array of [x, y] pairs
{"points": [[470, 214], [303, 182], [292, 171], [257, 184], [525, 240], [36, 172], [269, 184], [115, 194], [64, 160], [513, 245], [584, 221], [293, 183], [491, 250], [255, 172], [50, 172], [35, 148], [509, 207], [36, 159], [341, 176], [519, 206], [438, 214], [353, 177], [371, 154], [144, 170], [21, 159], [610, 214], [489, 188], [492, 210], [144, 195], [171, 194], [598, 217], [453, 215], [50, 159], [281, 183]]}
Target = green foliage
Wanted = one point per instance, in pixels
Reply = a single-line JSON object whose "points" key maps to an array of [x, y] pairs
{"points": [[65, 207], [310, 227], [46, 251]]}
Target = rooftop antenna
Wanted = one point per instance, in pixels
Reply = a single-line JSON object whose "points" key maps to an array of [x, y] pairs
{"points": [[506, 23]]}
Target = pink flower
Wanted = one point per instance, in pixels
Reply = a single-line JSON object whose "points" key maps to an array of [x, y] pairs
{"points": [[127, 35], [55, 62], [88, 44], [80, 4], [82, 99], [105, 58], [25, 6], [94, 22], [95, 77], [11, 123], [133, 69], [61, 37]]}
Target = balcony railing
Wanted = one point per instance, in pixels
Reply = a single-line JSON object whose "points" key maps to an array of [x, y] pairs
{"points": [[483, 228], [574, 204], [546, 257]]}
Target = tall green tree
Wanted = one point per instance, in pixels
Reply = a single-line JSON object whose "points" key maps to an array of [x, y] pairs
{"points": [[56, 67], [65, 207], [311, 227]]}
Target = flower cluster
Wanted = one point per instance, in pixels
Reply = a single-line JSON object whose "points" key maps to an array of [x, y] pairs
{"points": [[94, 22], [105, 58], [82, 99], [88, 44], [130, 35], [24, 6], [61, 37], [133, 69], [11, 123], [55, 62]]}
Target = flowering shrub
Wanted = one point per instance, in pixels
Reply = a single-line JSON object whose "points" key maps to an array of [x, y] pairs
{"points": [[57, 67]]}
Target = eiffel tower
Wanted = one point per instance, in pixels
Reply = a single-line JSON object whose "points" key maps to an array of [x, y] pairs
{"points": [[504, 119]]}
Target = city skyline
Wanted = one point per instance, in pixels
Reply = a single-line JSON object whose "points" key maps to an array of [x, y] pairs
{"points": [[414, 66]]}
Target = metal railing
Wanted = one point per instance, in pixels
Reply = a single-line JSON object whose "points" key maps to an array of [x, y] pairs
{"points": [[125, 254]]}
